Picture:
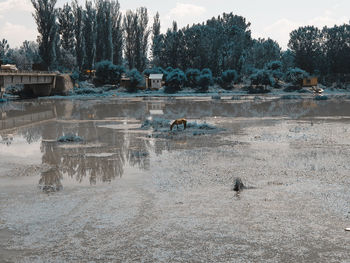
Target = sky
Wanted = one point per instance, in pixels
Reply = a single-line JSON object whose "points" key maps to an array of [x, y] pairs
{"points": [[268, 18]]}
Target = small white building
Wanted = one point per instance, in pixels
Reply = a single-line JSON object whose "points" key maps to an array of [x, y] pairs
{"points": [[155, 81]]}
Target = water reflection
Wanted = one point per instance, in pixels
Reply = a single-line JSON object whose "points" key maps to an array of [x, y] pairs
{"points": [[7, 138], [50, 180], [101, 158], [111, 145]]}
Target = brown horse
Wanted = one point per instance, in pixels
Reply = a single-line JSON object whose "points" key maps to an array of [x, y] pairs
{"points": [[177, 122]]}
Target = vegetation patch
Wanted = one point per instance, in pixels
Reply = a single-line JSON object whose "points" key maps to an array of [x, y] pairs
{"points": [[319, 97], [70, 138]]}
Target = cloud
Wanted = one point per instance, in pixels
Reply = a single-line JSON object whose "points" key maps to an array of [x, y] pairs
{"points": [[281, 29], [18, 5], [184, 10], [16, 34]]}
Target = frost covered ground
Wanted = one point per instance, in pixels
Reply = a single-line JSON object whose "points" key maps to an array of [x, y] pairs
{"points": [[132, 194]]}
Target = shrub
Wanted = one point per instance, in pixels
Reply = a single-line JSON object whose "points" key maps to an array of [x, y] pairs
{"points": [[175, 80], [227, 78], [274, 65], [156, 124], [262, 77], [70, 138], [166, 72], [155, 70], [136, 79], [169, 69], [108, 73], [75, 76], [207, 71], [321, 97], [204, 81], [295, 76], [192, 76], [275, 68]]}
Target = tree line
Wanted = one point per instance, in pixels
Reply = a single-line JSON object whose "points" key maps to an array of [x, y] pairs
{"points": [[77, 37]]}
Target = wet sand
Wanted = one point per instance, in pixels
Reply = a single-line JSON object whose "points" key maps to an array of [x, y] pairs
{"points": [[137, 195]]}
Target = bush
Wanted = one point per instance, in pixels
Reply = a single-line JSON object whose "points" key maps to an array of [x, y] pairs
{"points": [[275, 68], [75, 76], [262, 77], [227, 78], [155, 70], [204, 82], [295, 76], [108, 73], [207, 71], [192, 76], [70, 138], [169, 69], [136, 80], [321, 97], [175, 81], [274, 65]]}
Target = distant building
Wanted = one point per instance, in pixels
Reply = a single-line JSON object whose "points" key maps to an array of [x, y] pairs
{"points": [[124, 81], [154, 81], [310, 82]]}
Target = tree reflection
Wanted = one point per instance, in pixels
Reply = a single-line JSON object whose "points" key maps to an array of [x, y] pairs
{"points": [[101, 158], [50, 180], [137, 152]]}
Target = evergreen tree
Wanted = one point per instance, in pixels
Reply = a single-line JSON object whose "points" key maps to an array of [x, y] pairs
{"points": [[45, 17]]}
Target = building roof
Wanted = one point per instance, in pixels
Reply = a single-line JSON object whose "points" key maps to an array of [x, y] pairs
{"points": [[156, 76]]}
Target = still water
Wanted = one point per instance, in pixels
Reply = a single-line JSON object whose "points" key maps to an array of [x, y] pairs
{"points": [[113, 139]]}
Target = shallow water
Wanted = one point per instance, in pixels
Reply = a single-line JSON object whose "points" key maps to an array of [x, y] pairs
{"points": [[132, 194]]}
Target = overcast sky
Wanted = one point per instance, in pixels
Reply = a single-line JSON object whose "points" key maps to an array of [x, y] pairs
{"points": [[269, 18]]}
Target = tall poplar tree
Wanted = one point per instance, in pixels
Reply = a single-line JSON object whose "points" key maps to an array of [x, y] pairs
{"points": [[104, 39], [78, 31], [117, 33], [66, 27], [89, 32], [45, 16], [136, 35], [156, 41]]}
